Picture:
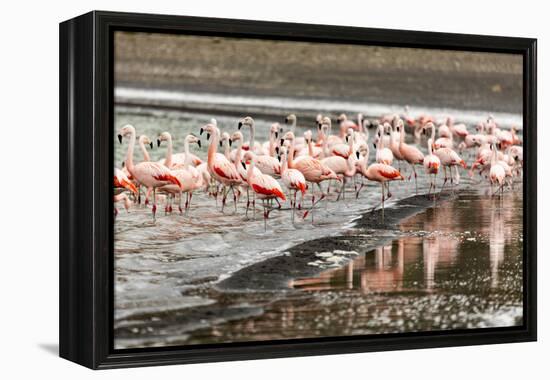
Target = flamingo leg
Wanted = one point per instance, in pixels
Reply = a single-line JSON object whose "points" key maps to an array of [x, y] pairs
{"points": [[154, 209], [188, 206], [179, 204], [415, 179], [265, 215], [342, 190], [247, 201]]}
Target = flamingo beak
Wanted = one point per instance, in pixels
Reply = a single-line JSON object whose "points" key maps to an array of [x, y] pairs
{"points": [[277, 149], [151, 144], [120, 139], [286, 120], [201, 131], [243, 164], [199, 143], [374, 145], [276, 134], [158, 143], [282, 141], [357, 154], [221, 144], [208, 136], [240, 125], [230, 142]]}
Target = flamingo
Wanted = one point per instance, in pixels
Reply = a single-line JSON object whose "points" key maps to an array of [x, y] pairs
{"points": [[380, 173], [238, 136], [449, 158], [149, 174], [344, 167], [190, 178], [383, 155], [312, 169], [293, 180], [266, 163], [410, 153], [497, 172], [432, 164], [263, 185], [270, 145], [292, 120], [220, 168], [345, 148]]}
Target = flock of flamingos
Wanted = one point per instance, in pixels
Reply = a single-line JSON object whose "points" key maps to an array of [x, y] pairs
{"points": [[290, 166]]}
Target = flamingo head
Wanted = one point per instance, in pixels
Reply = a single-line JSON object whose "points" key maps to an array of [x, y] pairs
{"points": [[126, 130], [164, 136], [289, 136], [308, 136], [343, 117], [224, 138], [246, 122], [274, 130], [210, 129], [145, 141], [192, 139], [237, 135], [290, 119]]}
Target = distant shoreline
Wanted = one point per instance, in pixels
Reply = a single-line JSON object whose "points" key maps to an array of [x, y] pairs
{"points": [[415, 77]]}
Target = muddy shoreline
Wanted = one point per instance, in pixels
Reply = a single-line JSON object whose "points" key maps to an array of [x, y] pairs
{"points": [[276, 273]]}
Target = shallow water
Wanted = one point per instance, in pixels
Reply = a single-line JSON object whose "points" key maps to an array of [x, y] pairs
{"points": [[166, 271]]}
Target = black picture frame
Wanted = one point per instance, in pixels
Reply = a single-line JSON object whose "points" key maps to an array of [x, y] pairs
{"points": [[86, 213]]}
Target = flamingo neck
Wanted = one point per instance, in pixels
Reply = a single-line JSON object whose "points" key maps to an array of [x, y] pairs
{"points": [[227, 150], [212, 149], [360, 122], [187, 160], [310, 147], [252, 133], [342, 130], [146, 156], [250, 170], [168, 161], [130, 153], [430, 142], [325, 146], [272, 144], [291, 155], [284, 163]]}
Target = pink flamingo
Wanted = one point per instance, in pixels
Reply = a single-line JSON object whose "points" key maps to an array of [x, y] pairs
{"points": [[293, 180], [497, 173], [431, 164], [220, 168], [149, 174], [380, 173], [343, 167], [189, 177], [383, 155], [312, 169], [243, 171], [264, 186], [449, 158], [410, 153], [266, 164]]}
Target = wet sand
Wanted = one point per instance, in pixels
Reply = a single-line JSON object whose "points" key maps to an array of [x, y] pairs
{"points": [[466, 80], [423, 268]]}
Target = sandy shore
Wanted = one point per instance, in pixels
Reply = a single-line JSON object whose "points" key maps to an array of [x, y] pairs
{"points": [[464, 80]]}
